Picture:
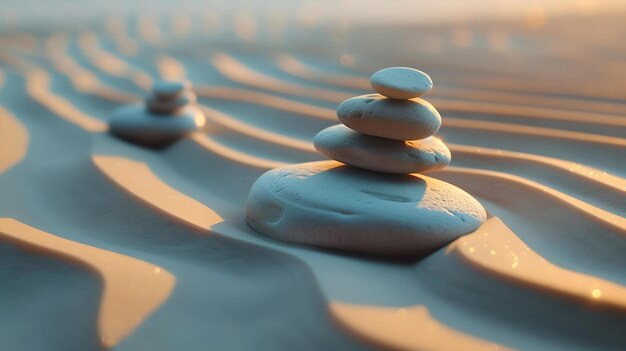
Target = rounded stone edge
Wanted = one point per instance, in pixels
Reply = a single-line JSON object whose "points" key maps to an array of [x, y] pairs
{"points": [[349, 121], [168, 89], [173, 105], [161, 131], [394, 92], [404, 243], [359, 160]]}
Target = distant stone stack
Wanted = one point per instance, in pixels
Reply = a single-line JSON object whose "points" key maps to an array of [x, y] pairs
{"points": [[391, 132], [170, 97], [168, 114], [371, 198]]}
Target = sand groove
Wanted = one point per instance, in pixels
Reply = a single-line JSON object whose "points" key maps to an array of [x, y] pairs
{"points": [[137, 178], [13, 140], [133, 289]]}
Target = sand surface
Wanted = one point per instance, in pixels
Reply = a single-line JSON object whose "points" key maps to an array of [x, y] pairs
{"points": [[534, 113]]}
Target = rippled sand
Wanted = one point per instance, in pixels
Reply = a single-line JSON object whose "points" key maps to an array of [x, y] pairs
{"points": [[107, 244]]}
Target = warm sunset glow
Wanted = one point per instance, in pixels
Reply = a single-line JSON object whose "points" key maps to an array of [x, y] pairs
{"points": [[264, 175], [534, 272], [410, 328], [139, 180], [131, 293]]}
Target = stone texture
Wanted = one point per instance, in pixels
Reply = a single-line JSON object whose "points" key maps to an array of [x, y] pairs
{"points": [[376, 115], [401, 82], [380, 154], [334, 206]]}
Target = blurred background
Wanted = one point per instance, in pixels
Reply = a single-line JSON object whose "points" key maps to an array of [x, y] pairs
{"points": [[501, 37], [19, 13], [553, 64]]}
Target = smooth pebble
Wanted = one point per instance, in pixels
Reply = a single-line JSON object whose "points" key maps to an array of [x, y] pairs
{"points": [[170, 88], [170, 105], [137, 124], [343, 144], [331, 205], [401, 82], [374, 114]]}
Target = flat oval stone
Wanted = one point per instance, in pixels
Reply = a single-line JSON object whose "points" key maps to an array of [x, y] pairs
{"points": [[334, 206], [170, 88], [170, 105], [401, 82], [381, 154], [136, 124], [374, 114]]}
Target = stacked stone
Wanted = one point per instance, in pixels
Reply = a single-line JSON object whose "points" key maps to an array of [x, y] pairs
{"points": [[389, 132], [170, 97], [166, 115], [370, 199]]}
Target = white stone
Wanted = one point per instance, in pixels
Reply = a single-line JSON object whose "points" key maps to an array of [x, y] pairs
{"points": [[135, 123], [401, 82], [334, 206], [374, 114], [381, 154]]}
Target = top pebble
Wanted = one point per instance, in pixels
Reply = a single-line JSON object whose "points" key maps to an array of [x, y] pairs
{"points": [[401, 83]]}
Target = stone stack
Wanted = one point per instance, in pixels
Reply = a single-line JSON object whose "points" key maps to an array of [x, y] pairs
{"points": [[390, 132], [170, 97], [371, 198], [166, 115]]}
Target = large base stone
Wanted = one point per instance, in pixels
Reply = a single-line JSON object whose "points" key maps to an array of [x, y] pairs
{"points": [[331, 205]]}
